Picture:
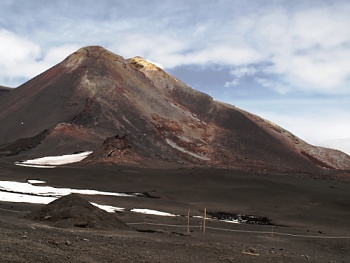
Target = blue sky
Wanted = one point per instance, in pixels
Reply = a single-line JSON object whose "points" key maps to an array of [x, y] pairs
{"points": [[287, 61]]}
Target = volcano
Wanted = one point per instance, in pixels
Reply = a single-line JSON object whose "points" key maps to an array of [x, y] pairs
{"points": [[131, 112]]}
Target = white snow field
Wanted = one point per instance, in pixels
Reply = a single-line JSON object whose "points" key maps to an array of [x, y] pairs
{"points": [[19, 192], [29, 192], [39, 190], [151, 212], [53, 161]]}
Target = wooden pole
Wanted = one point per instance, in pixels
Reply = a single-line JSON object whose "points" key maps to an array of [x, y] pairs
{"points": [[188, 221], [205, 217], [272, 232]]}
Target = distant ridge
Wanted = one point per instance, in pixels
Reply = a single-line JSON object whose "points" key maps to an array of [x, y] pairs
{"points": [[4, 90], [131, 112]]}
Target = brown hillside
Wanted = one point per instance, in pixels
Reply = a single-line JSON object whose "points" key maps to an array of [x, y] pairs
{"points": [[129, 111]]}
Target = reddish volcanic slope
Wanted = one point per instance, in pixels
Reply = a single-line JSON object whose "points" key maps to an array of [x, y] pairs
{"points": [[129, 111]]}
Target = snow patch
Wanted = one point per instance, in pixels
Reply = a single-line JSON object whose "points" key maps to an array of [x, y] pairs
{"points": [[33, 181], [109, 208], [234, 221], [174, 105], [32, 199], [28, 193], [184, 139], [155, 63], [53, 161], [35, 190], [151, 212], [177, 147], [187, 113], [25, 198]]}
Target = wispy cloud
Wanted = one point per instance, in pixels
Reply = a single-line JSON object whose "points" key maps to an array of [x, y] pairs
{"points": [[303, 44], [22, 59], [239, 73]]}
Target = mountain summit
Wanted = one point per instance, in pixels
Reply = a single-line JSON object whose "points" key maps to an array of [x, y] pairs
{"points": [[131, 112]]}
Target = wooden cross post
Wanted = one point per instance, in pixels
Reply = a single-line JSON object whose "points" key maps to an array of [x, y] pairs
{"points": [[188, 221], [205, 217]]}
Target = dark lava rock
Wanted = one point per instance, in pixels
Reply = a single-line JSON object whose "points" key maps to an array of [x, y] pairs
{"points": [[74, 211], [243, 219], [115, 144]]}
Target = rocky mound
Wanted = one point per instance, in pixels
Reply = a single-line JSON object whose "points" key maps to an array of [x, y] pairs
{"points": [[74, 211]]}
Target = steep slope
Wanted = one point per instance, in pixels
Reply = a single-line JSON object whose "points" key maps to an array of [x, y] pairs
{"points": [[323, 157], [132, 112]]}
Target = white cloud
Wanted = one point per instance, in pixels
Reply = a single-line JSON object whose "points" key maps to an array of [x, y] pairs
{"points": [[165, 50], [171, 51], [243, 71], [308, 49], [21, 58], [155, 63], [232, 83], [58, 53], [14, 48], [223, 54], [322, 25], [304, 44], [271, 84], [324, 75], [239, 73], [15, 55]]}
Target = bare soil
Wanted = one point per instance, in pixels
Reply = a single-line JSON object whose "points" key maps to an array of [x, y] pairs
{"points": [[310, 209]]}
